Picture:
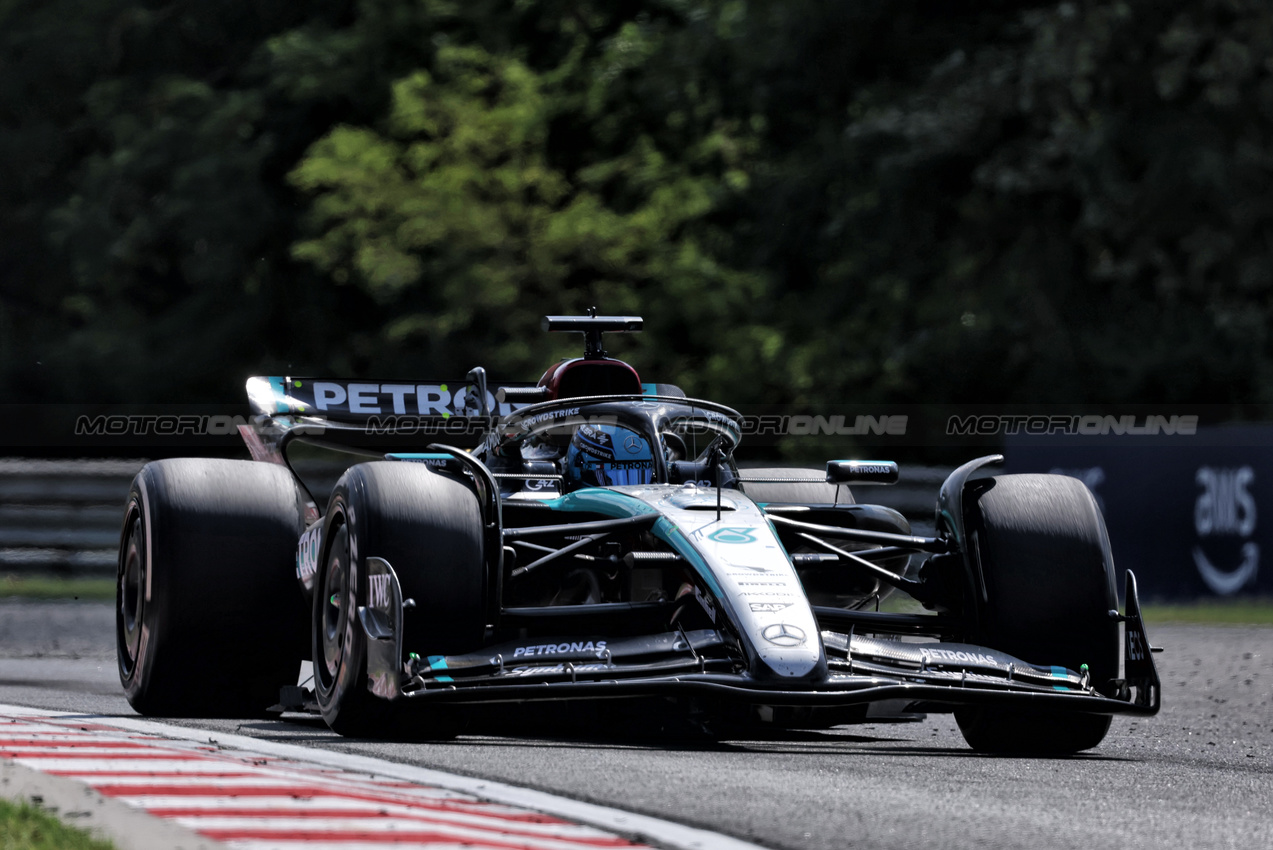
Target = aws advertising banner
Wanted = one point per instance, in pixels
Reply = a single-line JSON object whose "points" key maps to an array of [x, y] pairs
{"points": [[1191, 515]]}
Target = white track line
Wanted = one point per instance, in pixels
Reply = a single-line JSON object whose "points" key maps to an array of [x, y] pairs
{"points": [[341, 797]]}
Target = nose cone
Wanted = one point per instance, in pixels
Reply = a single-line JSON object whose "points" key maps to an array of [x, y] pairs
{"points": [[790, 652]]}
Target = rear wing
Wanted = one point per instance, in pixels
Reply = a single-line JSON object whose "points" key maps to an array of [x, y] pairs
{"points": [[376, 415], [357, 402]]}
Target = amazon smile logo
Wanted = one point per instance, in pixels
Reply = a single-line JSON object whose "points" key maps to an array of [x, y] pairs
{"points": [[1225, 507]]}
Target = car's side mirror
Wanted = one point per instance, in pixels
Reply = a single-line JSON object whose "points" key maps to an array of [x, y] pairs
{"points": [[477, 379], [861, 472]]}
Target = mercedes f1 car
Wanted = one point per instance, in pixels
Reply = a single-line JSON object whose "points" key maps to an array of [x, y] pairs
{"points": [[599, 541]]}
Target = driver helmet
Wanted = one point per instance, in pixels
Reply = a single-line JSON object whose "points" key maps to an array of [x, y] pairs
{"points": [[608, 455]]}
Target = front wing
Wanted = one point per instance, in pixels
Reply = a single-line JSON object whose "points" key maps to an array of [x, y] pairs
{"points": [[861, 669]]}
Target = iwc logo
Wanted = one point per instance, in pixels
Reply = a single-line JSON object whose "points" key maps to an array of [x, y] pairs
{"points": [[781, 634], [1226, 508]]}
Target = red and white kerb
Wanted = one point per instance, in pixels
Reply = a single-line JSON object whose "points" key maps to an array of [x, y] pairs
{"points": [[260, 801]]}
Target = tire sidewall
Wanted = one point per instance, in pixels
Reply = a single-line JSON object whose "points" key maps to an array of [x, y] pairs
{"points": [[150, 662], [135, 674], [345, 694]]}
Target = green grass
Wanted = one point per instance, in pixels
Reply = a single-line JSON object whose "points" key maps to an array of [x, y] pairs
{"points": [[1216, 612], [24, 827], [52, 587], [1248, 610]]}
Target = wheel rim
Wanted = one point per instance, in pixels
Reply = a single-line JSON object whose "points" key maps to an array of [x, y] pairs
{"points": [[335, 606], [130, 597]]}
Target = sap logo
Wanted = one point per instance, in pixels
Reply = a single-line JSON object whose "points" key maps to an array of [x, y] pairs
{"points": [[768, 607]]}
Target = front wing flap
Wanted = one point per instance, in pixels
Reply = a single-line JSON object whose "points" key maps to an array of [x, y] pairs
{"points": [[861, 668]]}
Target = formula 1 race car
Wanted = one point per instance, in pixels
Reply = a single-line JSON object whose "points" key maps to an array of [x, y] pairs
{"points": [[599, 541]]}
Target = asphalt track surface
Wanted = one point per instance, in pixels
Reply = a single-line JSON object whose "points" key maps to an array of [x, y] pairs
{"points": [[1199, 775]]}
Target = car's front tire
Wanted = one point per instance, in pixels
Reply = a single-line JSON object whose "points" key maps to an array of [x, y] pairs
{"points": [[1045, 558], [428, 527], [210, 620]]}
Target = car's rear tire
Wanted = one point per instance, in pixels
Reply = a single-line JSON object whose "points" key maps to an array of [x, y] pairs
{"points": [[1045, 557], [210, 620], [428, 526], [815, 491]]}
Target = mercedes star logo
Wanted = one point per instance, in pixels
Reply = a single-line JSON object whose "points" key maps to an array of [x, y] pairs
{"points": [[781, 634], [632, 444]]}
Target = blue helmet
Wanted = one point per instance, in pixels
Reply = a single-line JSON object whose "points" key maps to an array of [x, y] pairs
{"points": [[607, 455]]}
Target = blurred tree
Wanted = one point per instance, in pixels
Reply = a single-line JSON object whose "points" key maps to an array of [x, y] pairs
{"points": [[151, 270], [911, 201], [502, 186], [1071, 207]]}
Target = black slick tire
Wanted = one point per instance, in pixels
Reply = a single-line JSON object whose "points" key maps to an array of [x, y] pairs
{"points": [[428, 526], [1045, 558], [210, 619]]}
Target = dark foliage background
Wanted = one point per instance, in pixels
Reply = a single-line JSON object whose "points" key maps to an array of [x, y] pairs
{"points": [[882, 202]]}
